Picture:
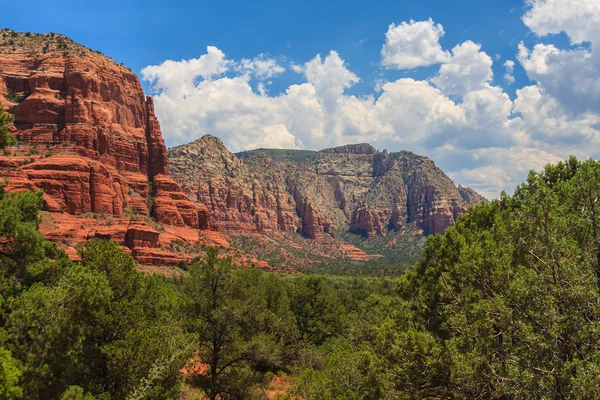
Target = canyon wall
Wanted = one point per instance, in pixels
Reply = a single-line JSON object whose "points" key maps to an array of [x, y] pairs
{"points": [[349, 188], [89, 137]]}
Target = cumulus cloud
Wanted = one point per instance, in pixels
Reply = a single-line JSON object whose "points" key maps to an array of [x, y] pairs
{"points": [[509, 67], [470, 127], [502, 168], [329, 77], [487, 111], [261, 66], [548, 122], [276, 137], [175, 77], [467, 69], [570, 76], [416, 111], [413, 44], [579, 19]]}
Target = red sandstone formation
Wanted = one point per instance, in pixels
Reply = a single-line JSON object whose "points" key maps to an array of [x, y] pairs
{"points": [[89, 137], [356, 254]]}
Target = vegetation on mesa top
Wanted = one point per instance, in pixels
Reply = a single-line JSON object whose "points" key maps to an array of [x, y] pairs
{"points": [[282, 155], [298, 155], [42, 43]]}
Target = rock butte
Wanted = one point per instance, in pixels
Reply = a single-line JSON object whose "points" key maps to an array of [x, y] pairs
{"points": [[351, 188], [89, 137]]}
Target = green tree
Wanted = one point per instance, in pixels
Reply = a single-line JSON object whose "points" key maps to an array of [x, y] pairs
{"points": [[140, 333], [505, 303], [9, 376], [100, 326], [5, 138], [319, 313], [76, 393], [48, 327], [24, 254], [238, 325], [345, 374]]}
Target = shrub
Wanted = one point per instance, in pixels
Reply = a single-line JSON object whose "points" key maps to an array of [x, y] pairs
{"points": [[15, 97]]}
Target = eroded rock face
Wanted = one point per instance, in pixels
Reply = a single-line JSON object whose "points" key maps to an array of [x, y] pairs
{"points": [[173, 207], [469, 195], [352, 187], [89, 137], [235, 199]]}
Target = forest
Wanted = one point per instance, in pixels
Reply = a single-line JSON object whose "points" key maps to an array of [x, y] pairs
{"points": [[504, 305]]}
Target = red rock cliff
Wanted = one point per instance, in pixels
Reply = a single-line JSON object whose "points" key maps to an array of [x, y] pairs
{"points": [[87, 135]]}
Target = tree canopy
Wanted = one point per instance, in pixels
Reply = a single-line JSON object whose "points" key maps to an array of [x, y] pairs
{"points": [[506, 303]]}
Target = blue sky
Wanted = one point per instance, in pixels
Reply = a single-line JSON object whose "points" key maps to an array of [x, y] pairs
{"points": [[312, 74], [140, 33]]}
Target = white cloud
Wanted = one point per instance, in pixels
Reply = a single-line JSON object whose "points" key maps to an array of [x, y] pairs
{"points": [[467, 69], [260, 66], [330, 77], [276, 137], [175, 77], [570, 76], [509, 67], [413, 44], [487, 111], [415, 111], [550, 123], [502, 168], [579, 19]]}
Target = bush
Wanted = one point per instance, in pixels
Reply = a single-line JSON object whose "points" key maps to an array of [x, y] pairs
{"points": [[150, 201], [14, 97]]}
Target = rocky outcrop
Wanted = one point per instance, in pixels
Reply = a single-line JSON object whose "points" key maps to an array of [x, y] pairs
{"points": [[235, 198], [173, 207], [89, 137], [469, 195], [349, 188], [369, 222], [356, 254]]}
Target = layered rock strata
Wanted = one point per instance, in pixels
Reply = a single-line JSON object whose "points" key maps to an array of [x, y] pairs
{"points": [[349, 188], [88, 137]]}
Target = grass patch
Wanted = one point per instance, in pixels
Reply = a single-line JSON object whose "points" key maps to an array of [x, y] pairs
{"points": [[281, 154]]}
